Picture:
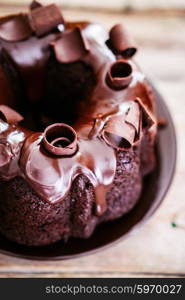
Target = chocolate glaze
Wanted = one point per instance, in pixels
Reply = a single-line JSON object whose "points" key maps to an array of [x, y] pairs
{"points": [[6, 95], [107, 112], [13, 137], [94, 159], [30, 57]]}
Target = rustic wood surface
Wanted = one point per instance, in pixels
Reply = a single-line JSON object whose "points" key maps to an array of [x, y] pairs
{"points": [[157, 249], [116, 5]]}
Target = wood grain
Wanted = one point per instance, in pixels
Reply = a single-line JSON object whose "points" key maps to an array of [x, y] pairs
{"points": [[116, 5], [157, 249]]}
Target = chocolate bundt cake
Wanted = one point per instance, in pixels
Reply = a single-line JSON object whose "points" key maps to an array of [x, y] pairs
{"points": [[77, 126]]}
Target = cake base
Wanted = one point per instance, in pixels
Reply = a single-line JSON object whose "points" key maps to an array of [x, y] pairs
{"points": [[27, 219]]}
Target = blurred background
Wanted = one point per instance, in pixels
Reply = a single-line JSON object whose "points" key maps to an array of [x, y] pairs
{"points": [[116, 5], [157, 249]]}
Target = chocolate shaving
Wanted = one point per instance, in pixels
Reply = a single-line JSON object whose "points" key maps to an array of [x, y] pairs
{"points": [[120, 42], [122, 131], [133, 116], [118, 133], [72, 46], [147, 119], [96, 128], [60, 139], [35, 4], [45, 18], [119, 75], [15, 29], [99, 121], [9, 115]]}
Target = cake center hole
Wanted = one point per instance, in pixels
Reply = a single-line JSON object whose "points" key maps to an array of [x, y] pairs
{"points": [[121, 70]]}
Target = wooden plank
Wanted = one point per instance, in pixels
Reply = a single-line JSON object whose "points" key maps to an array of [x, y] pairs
{"points": [[116, 5], [157, 248]]}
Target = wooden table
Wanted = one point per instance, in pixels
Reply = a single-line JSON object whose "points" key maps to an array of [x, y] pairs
{"points": [[157, 249]]}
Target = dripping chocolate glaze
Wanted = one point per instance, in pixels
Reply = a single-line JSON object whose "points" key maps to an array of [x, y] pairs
{"points": [[94, 158]]}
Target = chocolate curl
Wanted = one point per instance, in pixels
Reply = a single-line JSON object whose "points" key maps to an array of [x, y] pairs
{"points": [[71, 47], [122, 131], [119, 134], [35, 4], [120, 42], [15, 29], [45, 18], [9, 115], [98, 124], [119, 75], [99, 121], [147, 119], [60, 139], [133, 117]]}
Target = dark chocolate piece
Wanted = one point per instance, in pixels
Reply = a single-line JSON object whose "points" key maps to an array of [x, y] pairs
{"points": [[120, 42], [60, 139], [45, 18], [119, 75], [15, 29], [35, 4], [147, 119], [9, 115], [71, 47]]}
